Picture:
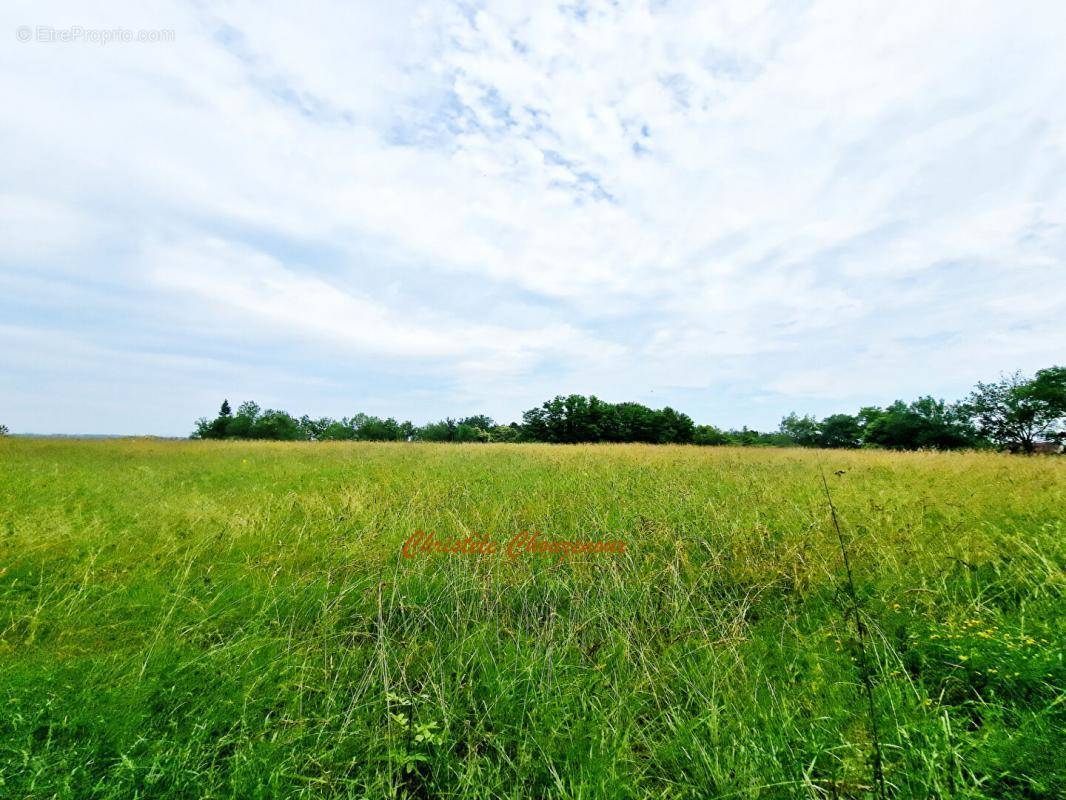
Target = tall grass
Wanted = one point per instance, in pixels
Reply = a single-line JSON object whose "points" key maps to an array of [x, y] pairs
{"points": [[236, 620], [865, 673]]}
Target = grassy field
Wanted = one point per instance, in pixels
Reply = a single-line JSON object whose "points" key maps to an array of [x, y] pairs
{"points": [[194, 619]]}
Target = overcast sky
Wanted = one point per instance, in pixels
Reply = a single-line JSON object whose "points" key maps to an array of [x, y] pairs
{"points": [[425, 209]]}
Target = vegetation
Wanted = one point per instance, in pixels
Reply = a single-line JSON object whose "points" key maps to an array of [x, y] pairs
{"points": [[1015, 414], [235, 619], [573, 419]]}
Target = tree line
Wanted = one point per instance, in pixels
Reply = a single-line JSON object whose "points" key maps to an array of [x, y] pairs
{"points": [[1017, 413]]}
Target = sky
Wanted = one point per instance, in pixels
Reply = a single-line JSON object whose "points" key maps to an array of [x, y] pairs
{"points": [[739, 209]]}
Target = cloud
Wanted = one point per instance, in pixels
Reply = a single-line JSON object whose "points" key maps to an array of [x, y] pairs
{"points": [[740, 208], [237, 281]]}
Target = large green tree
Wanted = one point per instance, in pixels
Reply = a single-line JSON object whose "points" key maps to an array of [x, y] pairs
{"points": [[840, 430], [801, 430], [709, 435], [1017, 412], [214, 428], [925, 424], [576, 418]]}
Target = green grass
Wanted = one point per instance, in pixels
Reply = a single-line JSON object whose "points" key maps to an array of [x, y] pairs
{"points": [[235, 620]]}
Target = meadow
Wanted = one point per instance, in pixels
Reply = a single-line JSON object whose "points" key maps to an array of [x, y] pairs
{"points": [[237, 620]]}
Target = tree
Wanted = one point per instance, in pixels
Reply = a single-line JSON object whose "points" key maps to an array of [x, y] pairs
{"points": [[673, 426], [925, 424], [709, 435], [1048, 388], [840, 430], [375, 429], [443, 431], [469, 433], [481, 421], [277, 425], [242, 425], [1016, 412], [221, 422], [576, 418], [505, 433], [1051, 383], [801, 430], [336, 431], [633, 422], [216, 428], [866, 415], [746, 437], [312, 429], [893, 427], [565, 420]]}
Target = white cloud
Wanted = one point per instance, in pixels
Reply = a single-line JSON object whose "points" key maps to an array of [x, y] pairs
{"points": [[525, 198], [286, 303]]}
